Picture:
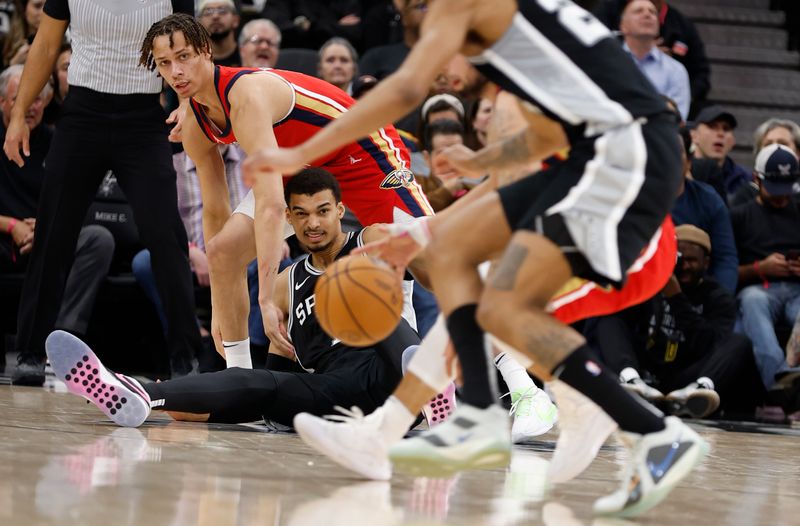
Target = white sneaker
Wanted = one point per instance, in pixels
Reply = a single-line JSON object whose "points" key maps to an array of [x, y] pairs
{"points": [[353, 442], [584, 428], [472, 438], [696, 400], [658, 462], [533, 411], [119, 397], [633, 383]]}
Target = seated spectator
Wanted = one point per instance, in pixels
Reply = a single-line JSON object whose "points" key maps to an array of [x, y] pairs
{"points": [[260, 44], [766, 231], [221, 19], [19, 196], [699, 204], [382, 61], [480, 115], [309, 23], [53, 110], [639, 26], [442, 186], [713, 139], [338, 63], [683, 337], [24, 24], [679, 39]]}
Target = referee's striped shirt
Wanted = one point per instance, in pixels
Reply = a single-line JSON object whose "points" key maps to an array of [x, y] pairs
{"points": [[106, 38]]}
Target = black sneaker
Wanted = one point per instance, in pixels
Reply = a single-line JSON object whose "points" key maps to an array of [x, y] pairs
{"points": [[29, 371]]}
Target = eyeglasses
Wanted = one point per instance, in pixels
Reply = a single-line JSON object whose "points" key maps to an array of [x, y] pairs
{"points": [[257, 41], [211, 11]]}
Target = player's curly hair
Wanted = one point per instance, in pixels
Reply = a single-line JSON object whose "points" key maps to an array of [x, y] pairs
{"points": [[195, 34]]}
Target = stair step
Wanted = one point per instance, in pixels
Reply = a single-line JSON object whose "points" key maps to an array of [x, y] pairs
{"points": [[699, 12], [753, 56], [751, 37]]}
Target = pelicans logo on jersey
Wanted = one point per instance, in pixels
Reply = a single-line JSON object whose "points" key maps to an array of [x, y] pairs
{"points": [[400, 178]]}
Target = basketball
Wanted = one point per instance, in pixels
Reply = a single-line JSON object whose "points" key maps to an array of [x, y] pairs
{"points": [[359, 300]]}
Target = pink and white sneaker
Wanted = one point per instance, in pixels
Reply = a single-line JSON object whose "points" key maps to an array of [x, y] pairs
{"points": [[440, 406], [119, 397]]}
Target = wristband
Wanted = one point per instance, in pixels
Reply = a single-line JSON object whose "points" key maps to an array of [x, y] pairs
{"points": [[11, 224]]}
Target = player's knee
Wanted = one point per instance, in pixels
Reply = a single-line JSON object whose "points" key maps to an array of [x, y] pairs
{"points": [[491, 312]]}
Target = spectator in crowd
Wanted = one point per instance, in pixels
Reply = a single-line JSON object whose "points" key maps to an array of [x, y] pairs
{"points": [[112, 119], [442, 186], [338, 63], [639, 26], [683, 337], [700, 205], [19, 195], [24, 24], [221, 19], [480, 115], [60, 85], [309, 23], [766, 231], [713, 138], [679, 39], [384, 60], [260, 44], [771, 131]]}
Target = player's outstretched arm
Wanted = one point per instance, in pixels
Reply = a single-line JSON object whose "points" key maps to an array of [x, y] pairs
{"points": [[442, 35], [257, 101]]}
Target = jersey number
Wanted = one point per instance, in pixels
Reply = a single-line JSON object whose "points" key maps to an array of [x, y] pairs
{"points": [[304, 309], [583, 26]]}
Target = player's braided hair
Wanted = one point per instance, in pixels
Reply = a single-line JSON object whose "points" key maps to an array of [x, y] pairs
{"points": [[195, 34]]}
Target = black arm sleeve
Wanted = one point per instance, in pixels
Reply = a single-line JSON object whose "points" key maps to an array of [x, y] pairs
{"points": [[183, 6], [58, 9]]}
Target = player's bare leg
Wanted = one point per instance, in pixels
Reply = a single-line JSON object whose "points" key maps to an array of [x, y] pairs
{"points": [[229, 252]]}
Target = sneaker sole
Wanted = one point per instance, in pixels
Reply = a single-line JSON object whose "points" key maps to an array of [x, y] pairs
{"points": [[79, 368], [684, 466], [600, 426], [317, 438], [437, 466]]}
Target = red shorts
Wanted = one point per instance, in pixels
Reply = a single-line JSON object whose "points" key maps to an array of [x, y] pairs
{"points": [[581, 299]]}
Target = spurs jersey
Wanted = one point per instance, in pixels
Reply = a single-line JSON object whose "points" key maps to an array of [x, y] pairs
{"points": [[315, 349], [374, 172], [560, 58]]}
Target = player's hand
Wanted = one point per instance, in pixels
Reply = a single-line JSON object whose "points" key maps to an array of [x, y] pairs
{"points": [[457, 159], [398, 248], [286, 161], [17, 138], [199, 262], [176, 118], [775, 265], [275, 328]]}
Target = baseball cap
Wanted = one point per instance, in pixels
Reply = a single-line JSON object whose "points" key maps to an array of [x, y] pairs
{"points": [[715, 113], [695, 235], [204, 3], [778, 169]]}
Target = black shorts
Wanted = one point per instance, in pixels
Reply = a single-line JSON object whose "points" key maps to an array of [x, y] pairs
{"points": [[603, 204]]}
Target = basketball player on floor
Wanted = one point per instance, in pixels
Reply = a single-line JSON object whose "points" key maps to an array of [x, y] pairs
{"points": [[234, 104], [342, 375], [590, 216]]}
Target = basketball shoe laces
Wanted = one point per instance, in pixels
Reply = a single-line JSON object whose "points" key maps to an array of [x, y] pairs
{"points": [[524, 406]]}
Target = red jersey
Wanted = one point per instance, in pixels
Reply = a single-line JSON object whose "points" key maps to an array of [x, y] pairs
{"points": [[374, 172]]}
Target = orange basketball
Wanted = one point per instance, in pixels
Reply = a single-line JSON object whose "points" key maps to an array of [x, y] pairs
{"points": [[358, 300]]}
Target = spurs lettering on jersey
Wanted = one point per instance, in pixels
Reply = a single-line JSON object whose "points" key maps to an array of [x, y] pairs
{"points": [[305, 309]]}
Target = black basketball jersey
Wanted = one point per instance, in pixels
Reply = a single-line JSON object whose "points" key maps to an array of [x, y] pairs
{"points": [[560, 58], [314, 348]]}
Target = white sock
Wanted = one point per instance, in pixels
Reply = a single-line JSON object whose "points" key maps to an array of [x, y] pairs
{"points": [[515, 376], [397, 420], [237, 354]]}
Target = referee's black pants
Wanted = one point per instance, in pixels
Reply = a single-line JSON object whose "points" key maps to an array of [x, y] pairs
{"points": [[98, 132]]}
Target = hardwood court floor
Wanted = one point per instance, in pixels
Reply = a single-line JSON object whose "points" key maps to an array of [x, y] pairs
{"points": [[62, 463]]}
